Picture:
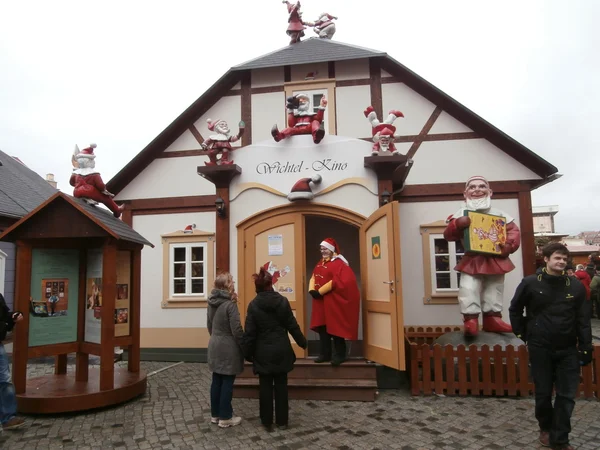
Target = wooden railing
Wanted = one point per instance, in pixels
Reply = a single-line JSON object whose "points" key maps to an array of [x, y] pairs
{"points": [[445, 370]]}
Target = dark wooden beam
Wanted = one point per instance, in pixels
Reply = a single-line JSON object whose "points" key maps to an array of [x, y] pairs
{"points": [[21, 330], [166, 203], [287, 74], [331, 69], [457, 189], [246, 111], [133, 363], [375, 81], [196, 133], [527, 237], [183, 153], [424, 131], [82, 358], [222, 236]]}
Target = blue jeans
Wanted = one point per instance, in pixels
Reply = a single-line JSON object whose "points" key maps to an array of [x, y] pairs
{"points": [[8, 399], [221, 393], [558, 369]]}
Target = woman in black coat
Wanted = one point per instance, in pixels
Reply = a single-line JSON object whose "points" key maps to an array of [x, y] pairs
{"points": [[267, 345]]}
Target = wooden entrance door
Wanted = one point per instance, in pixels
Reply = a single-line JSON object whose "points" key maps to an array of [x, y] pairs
{"points": [[383, 322], [278, 241]]}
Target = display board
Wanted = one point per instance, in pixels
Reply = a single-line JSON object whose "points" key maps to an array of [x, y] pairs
{"points": [[93, 296], [122, 302], [54, 293], [486, 234]]}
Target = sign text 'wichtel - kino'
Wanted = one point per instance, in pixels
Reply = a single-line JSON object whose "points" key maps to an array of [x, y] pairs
{"points": [[283, 167]]}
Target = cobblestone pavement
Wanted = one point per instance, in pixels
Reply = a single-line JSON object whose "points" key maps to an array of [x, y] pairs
{"points": [[175, 414]]}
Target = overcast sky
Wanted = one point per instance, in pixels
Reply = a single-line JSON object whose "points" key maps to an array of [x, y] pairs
{"points": [[118, 73]]}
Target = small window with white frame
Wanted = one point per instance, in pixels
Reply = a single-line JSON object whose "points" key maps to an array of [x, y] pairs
{"points": [[188, 269]]}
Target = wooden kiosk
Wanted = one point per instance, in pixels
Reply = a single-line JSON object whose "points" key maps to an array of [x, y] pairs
{"points": [[78, 287]]}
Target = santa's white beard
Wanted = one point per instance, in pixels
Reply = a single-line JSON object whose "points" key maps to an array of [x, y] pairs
{"points": [[479, 204], [303, 109]]}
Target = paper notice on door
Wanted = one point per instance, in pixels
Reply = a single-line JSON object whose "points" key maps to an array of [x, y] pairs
{"points": [[275, 244]]}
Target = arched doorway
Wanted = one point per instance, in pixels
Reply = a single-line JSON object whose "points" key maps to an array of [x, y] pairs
{"points": [[286, 238]]}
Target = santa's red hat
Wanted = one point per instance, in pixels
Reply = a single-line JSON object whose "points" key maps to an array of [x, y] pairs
{"points": [[213, 123], [331, 245], [268, 266], [386, 132], [87, 152], [477, 177], [302, 190], [189, 228]]}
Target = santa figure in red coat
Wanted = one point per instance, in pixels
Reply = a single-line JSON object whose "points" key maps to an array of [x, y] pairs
{"points": [[302, 119], [88, 183], [482, 275], [220, 143], [336, 303]]}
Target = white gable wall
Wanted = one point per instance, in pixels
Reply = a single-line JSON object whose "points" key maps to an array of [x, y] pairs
{"points": [[352, 69], [169, 177], [445, 123], [416, 109], [267, 110], [350, 103], [455, 161], [186, 141]]}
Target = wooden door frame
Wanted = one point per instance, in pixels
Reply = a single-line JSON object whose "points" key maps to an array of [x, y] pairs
{"points": [[276, 216]]}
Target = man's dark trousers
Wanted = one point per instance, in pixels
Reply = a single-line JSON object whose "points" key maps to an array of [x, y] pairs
{"points": [[557, 369]]}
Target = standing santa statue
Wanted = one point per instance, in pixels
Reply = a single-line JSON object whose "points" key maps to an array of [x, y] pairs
{"points": [[482, 275], [87, 181], [336, 303]]}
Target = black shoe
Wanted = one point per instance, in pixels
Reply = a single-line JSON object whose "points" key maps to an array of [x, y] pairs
{"points": [[268, 427], [319, 134], [337, 360], [282, 427], [275, 133], [339, 354], [322, 359]]}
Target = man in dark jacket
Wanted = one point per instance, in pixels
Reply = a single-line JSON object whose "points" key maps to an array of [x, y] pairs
{"points": [[558, 334], [8, 399]]}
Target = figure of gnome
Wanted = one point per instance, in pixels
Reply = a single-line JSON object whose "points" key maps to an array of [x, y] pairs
{"points": [[324, 25], [302, 119], [482, 275], [220, 143], [383, 132], [87, 181], [296, 27]]}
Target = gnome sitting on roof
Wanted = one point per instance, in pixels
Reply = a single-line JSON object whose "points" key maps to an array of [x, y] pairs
{"points": [[220, 143], [88, 182], [383, 132], [324, 26]]}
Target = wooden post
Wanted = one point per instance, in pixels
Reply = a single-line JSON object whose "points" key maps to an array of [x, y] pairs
{"points": [[82, 358], [21, 333], [527, 238], [133, 364], [222, 233], [109, 294]]}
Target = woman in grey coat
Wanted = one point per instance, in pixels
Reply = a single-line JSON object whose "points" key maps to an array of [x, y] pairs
{"points": [[225, 357]]}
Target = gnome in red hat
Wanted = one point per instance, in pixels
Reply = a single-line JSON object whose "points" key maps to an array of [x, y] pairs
{"points": [[220, 143], [482, 275], [301, 190], [302, 119], [336, 303], [383, 132], [87, 181]]}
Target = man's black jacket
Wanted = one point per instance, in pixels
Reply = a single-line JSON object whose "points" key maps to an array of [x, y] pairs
{"points": [[558, 315], [6, 321]]}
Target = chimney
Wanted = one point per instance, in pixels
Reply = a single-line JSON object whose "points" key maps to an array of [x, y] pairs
{"points": [[50, 180]]}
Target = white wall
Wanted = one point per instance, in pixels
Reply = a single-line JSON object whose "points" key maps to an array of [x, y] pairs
{"points": [[169, 177], [271, 76], [267, 110], [350, 103], [456, 161], [152, 227], [186, 141], [445, 123], [352, 69], [416, 109], [412, 216]]}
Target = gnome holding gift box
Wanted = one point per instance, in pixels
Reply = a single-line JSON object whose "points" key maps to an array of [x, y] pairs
{"points": [[87, 181], [220, 143], [482, 275], [336, 303]]}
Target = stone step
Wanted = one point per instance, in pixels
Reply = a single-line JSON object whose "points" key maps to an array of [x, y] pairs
{"points": [[315, 389], [307, 369]]}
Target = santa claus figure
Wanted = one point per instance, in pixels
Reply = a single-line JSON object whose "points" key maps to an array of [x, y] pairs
{"points": [[275, 272], [88, 182], [383, 132], [482, 275], [302, 119], [324, 25], [296, 27], [220, 143], [336, 303]]}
